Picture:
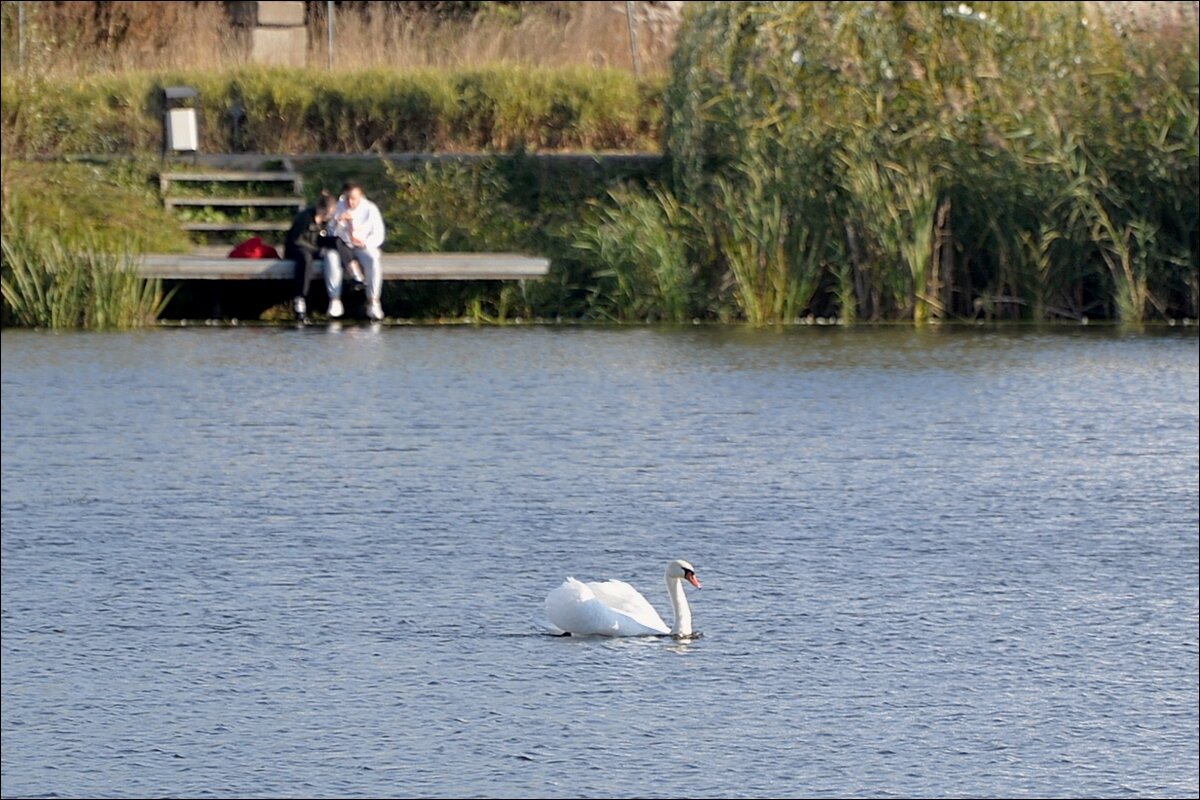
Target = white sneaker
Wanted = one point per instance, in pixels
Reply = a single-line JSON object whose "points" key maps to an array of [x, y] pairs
{"points": [[374, 310], [299, 306], [335, 309]]}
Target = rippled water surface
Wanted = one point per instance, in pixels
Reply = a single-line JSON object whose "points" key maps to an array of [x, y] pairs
{"points": [[274, 562]]}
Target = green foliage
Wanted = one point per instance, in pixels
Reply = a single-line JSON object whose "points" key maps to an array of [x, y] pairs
{"points": [[116, 201], [775, 256], [516, 203], [902, 145], [637, 242], [896, 204], [70, 233], [51, 281], [454, 206]]}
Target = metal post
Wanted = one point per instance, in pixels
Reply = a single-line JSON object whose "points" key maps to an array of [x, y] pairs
{"points": [[20, 35], [329, 38], [633, 47]]}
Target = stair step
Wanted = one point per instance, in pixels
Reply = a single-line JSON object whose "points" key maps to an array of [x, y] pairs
{"points": [[292, 202], [235, 226], [230, 176]]}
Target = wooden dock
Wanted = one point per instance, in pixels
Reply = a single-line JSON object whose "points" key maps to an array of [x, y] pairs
{"points": [[209, 266], [211, 262]]}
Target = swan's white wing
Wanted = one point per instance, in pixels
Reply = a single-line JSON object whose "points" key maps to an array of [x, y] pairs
{"points": [[574, 607], [624, 599]]}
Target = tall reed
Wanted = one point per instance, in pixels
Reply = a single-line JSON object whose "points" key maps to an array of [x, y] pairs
{"points": [[897, 204], [637, 240], [70, 233], [937, 184], [776, 260], [47, 282]]}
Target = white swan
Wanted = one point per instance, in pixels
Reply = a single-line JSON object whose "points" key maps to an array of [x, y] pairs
{"points": [[614, 608]]}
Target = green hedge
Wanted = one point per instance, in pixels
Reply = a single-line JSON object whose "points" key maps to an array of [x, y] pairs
{"points": [[311, 111]]}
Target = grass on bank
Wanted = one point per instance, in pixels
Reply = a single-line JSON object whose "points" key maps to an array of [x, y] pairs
{"points": [[68, 236], [54, 282], [284, 110]]}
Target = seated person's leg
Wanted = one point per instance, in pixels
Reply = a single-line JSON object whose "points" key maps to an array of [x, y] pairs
{"points": [[333, 281], [372, 263], [300, 278], [346, 253]]}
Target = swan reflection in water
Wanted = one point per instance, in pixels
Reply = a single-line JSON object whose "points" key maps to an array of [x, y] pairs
{"points": [[614, 608]]}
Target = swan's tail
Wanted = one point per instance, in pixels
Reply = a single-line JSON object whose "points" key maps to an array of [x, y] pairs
{"points": [[546, 626]]}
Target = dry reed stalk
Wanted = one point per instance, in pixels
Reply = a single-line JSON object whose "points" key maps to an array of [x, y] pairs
{"points": [[77, 38], [549, 35]]}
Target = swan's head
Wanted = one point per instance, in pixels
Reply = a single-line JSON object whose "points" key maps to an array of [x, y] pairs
{"points": [[681, 570]]}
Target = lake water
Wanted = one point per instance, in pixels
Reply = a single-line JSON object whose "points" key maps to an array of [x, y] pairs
{"points": [[268, 562]]}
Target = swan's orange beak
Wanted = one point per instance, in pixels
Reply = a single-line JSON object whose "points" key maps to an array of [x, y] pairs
{"points": [[693, 580]]}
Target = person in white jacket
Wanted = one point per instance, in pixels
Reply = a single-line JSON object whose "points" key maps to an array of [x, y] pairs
{"points": [[358, 223]]}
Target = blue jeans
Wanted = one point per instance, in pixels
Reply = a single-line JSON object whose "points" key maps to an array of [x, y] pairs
{"points": [[369, 258]]}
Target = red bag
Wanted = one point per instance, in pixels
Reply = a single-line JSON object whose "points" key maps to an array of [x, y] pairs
{"points": [[254, 247]]}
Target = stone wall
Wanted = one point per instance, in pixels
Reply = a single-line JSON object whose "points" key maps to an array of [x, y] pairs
{"points": [[277, 31]]}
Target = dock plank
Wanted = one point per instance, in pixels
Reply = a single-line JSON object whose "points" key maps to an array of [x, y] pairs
{"points": [[396, 266]]}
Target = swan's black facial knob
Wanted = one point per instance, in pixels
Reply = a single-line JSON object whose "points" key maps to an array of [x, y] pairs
{"points": [[691, 578]]}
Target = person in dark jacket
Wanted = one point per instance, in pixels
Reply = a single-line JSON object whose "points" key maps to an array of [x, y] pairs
{"points": [[304, 242]]}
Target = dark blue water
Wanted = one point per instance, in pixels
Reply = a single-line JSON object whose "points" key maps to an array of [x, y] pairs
{"points": [[274, 562]]}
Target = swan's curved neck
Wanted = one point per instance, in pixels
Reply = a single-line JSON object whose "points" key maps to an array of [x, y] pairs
{"points": [[683, 613]]}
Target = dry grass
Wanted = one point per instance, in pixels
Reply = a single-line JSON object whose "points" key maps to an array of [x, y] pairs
{"points": [[78, 38], [545, 35]]}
